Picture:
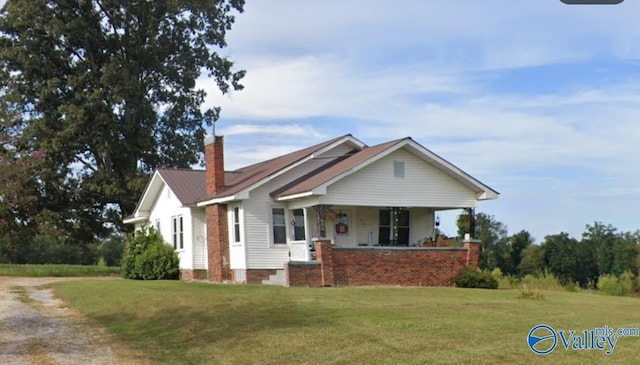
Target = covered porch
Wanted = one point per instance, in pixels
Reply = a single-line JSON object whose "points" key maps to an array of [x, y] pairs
{"points": [[352, 226]]}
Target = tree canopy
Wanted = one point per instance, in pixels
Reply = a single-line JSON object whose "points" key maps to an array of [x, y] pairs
{"points": [[602, 250], [103, 92]]}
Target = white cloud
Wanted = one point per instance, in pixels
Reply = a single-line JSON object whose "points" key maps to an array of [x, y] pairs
{"points": [[286, 130]]}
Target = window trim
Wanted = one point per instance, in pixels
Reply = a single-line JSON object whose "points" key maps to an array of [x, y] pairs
{"points": [[236, 224], [296, 226], [177, 232], [272, 226]]}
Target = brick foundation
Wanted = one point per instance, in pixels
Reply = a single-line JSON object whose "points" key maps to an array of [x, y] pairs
{"points": [[304, 274], [419, 266], [255, 276], [193, 274]]}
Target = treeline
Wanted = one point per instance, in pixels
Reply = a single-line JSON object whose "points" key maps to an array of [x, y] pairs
{"points": [[53, 249], [601, 251]]}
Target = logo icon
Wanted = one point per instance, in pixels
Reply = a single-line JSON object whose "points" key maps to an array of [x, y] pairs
{"points": [[542, 339]]}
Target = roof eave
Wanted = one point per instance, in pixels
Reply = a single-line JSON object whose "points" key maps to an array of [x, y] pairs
{"points": [[295, 196], [487, 195], [321, 189], [224, 199], [484, 192], [346, 138], [134, 220]]}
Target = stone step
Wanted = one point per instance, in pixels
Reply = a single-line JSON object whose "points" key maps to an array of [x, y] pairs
{"points": [[279, 278]]}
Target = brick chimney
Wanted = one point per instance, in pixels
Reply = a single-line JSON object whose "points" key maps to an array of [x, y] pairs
{"points": [[216, 214], [214, 159]]}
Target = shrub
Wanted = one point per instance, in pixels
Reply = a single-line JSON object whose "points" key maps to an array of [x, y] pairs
{"points": [[526, 293], [622, 285], [497, 273], [505, 281], [469, 278], [543, 280], [150, 258]]}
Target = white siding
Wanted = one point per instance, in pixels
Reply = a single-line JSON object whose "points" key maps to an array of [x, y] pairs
{"points": [[165, 207], [261, 254], [422, 186], [199, 241], [422, 221]]}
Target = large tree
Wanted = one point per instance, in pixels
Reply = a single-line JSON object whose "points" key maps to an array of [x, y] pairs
{"points": [[105, 92], [493, 239]]}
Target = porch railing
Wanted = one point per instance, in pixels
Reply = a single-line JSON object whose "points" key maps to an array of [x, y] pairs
{"points": [[299, 251]]}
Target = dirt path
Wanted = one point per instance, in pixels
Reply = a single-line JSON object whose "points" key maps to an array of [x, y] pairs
{"points": [[35, 328]]}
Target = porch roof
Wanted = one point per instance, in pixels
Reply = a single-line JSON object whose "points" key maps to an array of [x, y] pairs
{"points": [[241, 181]]}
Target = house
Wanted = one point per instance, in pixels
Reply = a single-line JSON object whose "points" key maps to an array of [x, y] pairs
{"points": [[339, 212]]}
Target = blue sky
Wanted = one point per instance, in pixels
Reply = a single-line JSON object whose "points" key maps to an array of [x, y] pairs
{"points": [[539, 100]]}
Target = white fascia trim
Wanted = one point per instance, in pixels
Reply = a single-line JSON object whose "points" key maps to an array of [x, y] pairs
{"points": [[304, 160], [225, 199], [152, 186], [485, 192], [135, 220], [349, 138], [295, 196], [487, 195]]}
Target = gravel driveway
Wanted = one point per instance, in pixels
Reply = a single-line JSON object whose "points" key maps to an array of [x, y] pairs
{"points": [[36, 328]]}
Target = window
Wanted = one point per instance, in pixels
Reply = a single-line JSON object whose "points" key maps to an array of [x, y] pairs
{"points": [[157, 226], [177, 232], [402, 227], [398, 168], [236, 224], [298, 225], [393, 227], [384, 230], [279, 226]]}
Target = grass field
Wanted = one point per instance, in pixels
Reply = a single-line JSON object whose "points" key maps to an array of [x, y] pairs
{"points": [[57, 270], [196, 323]]}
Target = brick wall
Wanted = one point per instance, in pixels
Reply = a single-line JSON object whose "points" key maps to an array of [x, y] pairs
{"points": [[255, 276], [214, 158], [304, 273], [217, 242], [193, 274], [216, 214], [432, 266]]}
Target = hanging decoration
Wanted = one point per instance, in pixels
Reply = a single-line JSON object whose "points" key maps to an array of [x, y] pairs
{"points": [[342, 223]]}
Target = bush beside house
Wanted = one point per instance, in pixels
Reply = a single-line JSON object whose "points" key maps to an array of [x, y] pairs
{"points": [[469, 278], [150, 258]]}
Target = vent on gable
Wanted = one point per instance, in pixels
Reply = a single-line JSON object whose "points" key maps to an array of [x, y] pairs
{"points": [[398, 168]]}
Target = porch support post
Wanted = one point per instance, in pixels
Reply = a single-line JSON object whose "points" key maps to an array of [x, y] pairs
{"points": [[321, 213], [473, 252], [324, 256]]}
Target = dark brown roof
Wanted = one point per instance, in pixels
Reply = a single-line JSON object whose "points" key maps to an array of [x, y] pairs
{"points": [[188, 185], [238, 180], [333, 169]]}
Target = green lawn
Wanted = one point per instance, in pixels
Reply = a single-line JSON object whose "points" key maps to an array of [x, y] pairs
{"points": [[46, 270], [195, 323]]}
